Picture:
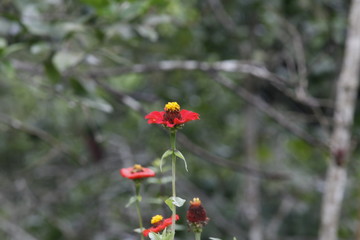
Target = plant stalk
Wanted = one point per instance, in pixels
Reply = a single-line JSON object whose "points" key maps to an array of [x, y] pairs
{"points": [[173, 178], [137, 204], [197, 235]]}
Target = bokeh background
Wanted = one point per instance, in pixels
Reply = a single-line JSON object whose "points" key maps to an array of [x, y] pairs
{"points": [[78, 77]]}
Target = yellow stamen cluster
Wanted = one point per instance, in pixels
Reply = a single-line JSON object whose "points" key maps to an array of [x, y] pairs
{"points": [[137, 168], [157, 218], [196, 202], [172, 107]]}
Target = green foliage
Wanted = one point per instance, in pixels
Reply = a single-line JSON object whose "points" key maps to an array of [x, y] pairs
{"points": [[68, 187], [175, 202]]}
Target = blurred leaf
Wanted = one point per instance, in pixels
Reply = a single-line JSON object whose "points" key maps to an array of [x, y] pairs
{"points": [[77, 87], [147, 32], [52, 72], [41, 49], [13, 48], [65, 59], [3, 43], [96, 3], [98, 103], [69, 27], [32, 19], [132, 10]]}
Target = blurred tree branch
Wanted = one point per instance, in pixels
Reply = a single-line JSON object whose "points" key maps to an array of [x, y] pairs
{"points": [[231, 66]]}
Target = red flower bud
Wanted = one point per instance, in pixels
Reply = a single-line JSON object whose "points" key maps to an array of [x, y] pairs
{"points": [[196, 215]]}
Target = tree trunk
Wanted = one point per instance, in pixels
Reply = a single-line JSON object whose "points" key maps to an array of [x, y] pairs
{"points": [[340, 142]]}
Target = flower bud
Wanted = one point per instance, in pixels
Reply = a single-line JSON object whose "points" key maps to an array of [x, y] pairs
{"points": [[196, 215]]}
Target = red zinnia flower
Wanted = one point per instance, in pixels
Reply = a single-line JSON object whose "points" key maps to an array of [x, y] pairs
{"points": [[196, 215], [136, 172], [172, 116], [159, 224]]}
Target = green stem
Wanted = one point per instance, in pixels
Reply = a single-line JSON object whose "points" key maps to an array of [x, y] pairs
{"points": [[198, 236], [137, 203], [173, 178]]}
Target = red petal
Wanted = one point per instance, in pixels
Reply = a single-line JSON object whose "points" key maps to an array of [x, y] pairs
{"points": [[146, 232], [189, 115], [170, 125], [155, 117], [127, 173], [166, 222]]}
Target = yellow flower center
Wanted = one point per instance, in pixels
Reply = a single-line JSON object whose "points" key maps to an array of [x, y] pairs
{"points": [[157, 218], [137, 168], [196, 202], [172, 107]]}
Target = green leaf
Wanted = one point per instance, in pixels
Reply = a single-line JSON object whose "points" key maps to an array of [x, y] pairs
{"points": [[172, 202], [52, 72], [157, 236], [96, 3], [40, 49], [97, 103], [12, 48], [3, 43], [165, 155], [132, 200], [154, 236], [132, 10], [179, 155], [177, 201], [65, 59], [169, 202], [211, 238], [77, 87], [166, 236]]}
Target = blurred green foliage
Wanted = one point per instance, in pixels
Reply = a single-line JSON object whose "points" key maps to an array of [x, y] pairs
{"points": [[63, 136]]}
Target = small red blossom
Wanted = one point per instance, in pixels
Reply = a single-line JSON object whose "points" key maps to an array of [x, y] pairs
{"points": [[196, 215], [137, 172], [172, 116], [159, 224]]}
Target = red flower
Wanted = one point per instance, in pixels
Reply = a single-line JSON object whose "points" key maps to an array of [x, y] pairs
{"points": [[196, 215], [159, 224], [136, 172], [172, 116]]}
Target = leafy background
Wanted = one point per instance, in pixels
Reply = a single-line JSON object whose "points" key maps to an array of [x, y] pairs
{"points": [[71, 118]]}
